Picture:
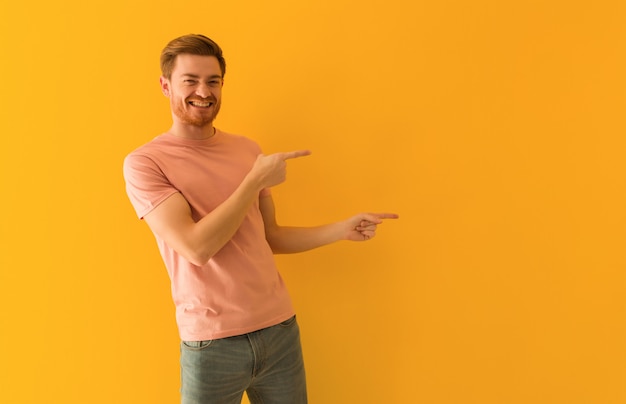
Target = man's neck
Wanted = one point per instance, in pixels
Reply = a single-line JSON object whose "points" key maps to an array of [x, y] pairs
{"points": [[192, 132]]}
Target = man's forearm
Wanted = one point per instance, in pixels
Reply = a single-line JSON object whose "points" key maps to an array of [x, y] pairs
{"points": [[214, 230], [287, 240]]}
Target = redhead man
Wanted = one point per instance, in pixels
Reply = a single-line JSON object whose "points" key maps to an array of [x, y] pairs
{"points": [[206, 196]]}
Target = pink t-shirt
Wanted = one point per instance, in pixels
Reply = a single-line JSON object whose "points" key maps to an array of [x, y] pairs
{"points": [[239, 290]]}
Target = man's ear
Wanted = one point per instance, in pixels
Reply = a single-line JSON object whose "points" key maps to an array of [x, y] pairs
{"points": [[165, 86]]}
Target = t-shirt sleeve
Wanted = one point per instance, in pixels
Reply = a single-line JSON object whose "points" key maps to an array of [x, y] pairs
{"points": [[146, 185]]}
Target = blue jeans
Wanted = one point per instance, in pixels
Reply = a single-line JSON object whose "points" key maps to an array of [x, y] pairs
{"points": [[266, 364]]}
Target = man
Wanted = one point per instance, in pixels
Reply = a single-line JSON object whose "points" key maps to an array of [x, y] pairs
{"points": [[206, 196]]}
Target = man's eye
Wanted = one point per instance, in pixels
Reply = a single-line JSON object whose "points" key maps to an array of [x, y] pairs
{"points": [[187, 81]]}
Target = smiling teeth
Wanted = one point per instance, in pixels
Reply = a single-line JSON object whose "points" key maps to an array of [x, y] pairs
{"points": [[200, 104]]}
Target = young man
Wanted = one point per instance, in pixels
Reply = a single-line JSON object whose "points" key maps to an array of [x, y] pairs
{"points": [[206, 196]]}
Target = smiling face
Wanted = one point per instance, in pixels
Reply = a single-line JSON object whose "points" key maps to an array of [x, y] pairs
{"points": [[194, 90]]}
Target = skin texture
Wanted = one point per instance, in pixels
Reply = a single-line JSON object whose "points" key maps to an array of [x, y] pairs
{"points": [[194, 91]]}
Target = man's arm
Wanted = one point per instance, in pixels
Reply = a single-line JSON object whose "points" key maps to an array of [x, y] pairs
{"points": [[199, 241], [286, 240]]}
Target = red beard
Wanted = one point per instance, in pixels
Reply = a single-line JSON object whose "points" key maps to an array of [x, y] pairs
{"points": [[195, 116]]}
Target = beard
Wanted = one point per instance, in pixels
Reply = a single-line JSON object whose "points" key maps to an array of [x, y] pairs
{"points": [[193, 116]]}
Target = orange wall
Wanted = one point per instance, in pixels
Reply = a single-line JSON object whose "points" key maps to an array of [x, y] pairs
{"points": [[495, 128]]}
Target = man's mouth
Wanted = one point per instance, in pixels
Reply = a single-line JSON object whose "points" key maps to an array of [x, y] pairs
{"points": [[201, 104]]}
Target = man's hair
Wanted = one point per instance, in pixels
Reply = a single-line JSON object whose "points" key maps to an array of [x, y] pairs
{"points": [[193, 44]]}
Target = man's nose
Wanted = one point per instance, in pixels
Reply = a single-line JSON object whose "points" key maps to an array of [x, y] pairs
{"points": [[203, 90]]}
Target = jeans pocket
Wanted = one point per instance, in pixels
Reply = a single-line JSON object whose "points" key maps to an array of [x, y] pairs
{"points": [[196, 345], [288, 322]]}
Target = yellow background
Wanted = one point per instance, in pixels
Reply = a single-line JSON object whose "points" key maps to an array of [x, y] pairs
{"points": [[496, 129]]}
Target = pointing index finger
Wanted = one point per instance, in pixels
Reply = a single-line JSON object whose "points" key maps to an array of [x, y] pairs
{"points": [[388, 215], [378, 217], [295, 154]]}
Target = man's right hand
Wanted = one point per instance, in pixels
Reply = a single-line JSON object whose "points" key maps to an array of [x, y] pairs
{"points": [[271, 170]]}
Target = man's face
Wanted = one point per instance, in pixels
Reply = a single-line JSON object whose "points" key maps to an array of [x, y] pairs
{"points": [[195, 89]]}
